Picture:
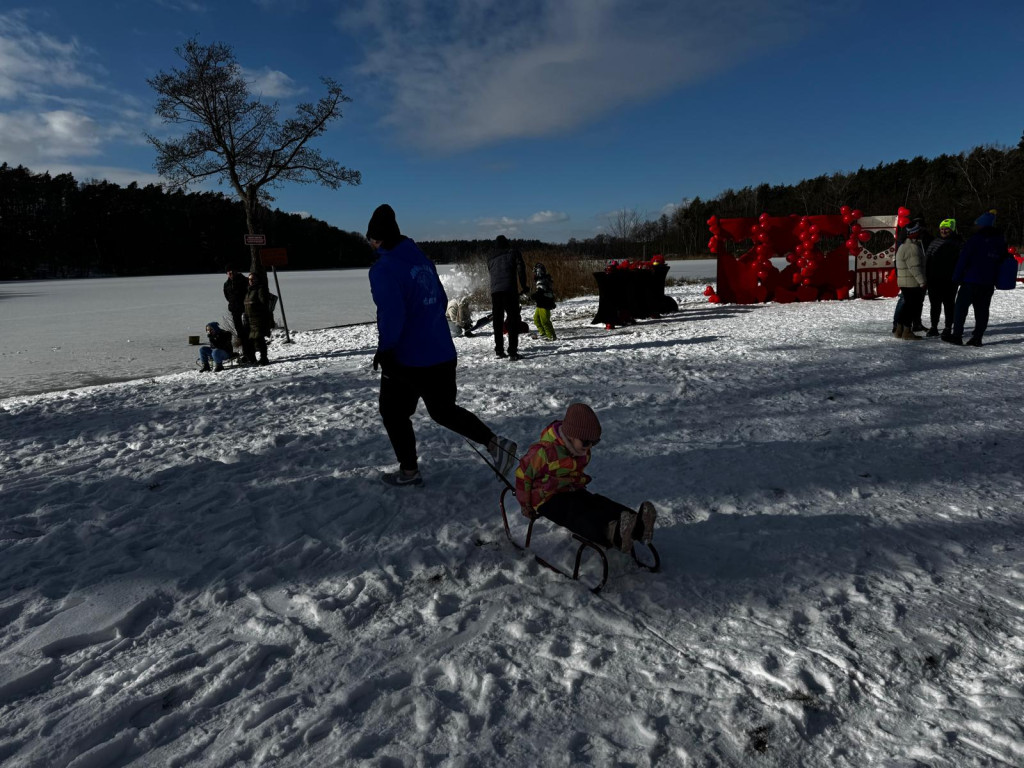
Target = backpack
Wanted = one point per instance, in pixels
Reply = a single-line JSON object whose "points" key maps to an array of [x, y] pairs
{"points": [[1006, 278]]}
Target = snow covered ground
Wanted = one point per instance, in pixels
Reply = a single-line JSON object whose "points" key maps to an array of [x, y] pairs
{"points": [[203, 570]]}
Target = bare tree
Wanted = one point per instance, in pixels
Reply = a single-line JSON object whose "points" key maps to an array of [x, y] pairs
{"points": [[236, 138]]}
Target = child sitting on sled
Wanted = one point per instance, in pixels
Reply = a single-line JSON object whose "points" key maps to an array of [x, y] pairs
{"points": [[550, 482]]}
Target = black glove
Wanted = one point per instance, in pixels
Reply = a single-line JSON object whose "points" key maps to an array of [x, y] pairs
{"points": [[384, 358]]}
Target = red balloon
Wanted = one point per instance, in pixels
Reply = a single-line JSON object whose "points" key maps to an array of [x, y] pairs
{"points": [[708, 290], [851, 244], [847, 218], [901, 211], [864, 236], [763, 218], [714, 299], [790, 257], [856, 213], [856, 229], [844, 209], [762, 274]]}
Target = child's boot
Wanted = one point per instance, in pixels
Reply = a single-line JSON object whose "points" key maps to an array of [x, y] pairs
{"points": [[648, 514], [627, 522]]}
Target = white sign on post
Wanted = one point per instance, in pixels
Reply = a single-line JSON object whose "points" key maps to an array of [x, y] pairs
{"points": [[255, 239]]}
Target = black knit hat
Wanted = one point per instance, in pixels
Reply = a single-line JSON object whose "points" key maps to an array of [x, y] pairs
{"points": [[383, 226]]}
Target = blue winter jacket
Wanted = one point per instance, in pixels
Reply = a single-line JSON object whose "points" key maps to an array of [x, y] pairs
{"points": [[410, 307], [980, 258]]}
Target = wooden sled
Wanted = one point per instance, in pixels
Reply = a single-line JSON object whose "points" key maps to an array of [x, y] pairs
{"points": [[584, 543]]}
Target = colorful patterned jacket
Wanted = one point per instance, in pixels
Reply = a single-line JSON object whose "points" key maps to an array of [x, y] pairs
{"points": [[548, 468]]}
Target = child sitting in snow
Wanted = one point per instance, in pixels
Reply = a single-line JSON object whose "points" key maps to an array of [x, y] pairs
{"points": [[219, 349], [544, 296], [550, 483]]}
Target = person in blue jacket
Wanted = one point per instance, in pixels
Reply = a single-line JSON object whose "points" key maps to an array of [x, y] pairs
{"points": [[976, 271], [415, 352]]}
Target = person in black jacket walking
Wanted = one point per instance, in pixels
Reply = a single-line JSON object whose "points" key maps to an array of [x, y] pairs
{"points": [[507, 271], [235, 288], [940, 257]]}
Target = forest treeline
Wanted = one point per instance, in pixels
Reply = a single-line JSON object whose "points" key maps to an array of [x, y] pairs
{"points": [[54, 226]]}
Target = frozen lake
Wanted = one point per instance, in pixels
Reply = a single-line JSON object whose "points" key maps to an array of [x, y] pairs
{"points": [[64, 334]]}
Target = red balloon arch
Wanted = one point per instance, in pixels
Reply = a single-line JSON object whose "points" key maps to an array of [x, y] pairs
{"points": [[810, 273]]}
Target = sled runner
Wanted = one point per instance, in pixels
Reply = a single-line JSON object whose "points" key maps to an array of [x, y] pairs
{"points": [[584, 543]]}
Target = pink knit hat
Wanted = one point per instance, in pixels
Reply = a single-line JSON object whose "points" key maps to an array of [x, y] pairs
{"points": [[581, 422]]}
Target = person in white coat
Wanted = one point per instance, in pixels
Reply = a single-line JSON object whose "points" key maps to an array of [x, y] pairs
{"points": [[911, 280]]}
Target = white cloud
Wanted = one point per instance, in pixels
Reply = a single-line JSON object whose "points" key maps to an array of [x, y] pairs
{"points": [[464, 73], [31, 138], [189, 6], [548, 217], [31, 62], [271, 83], [502, 225]]}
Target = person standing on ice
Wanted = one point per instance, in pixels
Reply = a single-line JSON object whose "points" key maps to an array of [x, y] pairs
{"points": [[415, 352], [977, 270], [551, 483], [911, 280], [507, 272]]}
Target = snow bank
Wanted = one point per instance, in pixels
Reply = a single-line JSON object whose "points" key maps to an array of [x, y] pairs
{"points": [[203, 570]]}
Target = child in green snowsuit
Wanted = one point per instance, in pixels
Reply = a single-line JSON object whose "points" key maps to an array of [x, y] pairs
{"points": [[544, 295]]}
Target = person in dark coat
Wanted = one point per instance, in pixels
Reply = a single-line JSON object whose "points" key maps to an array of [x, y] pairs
{"points": [[415, 351], [219, 350], [940, 257], [976, 271], [235, 289], [260, 318], [507, 271]]}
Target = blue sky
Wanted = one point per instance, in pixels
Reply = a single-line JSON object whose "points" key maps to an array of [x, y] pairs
{"points": [[532, 118]]}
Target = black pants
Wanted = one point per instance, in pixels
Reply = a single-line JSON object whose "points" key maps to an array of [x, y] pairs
{"points": [[505, 306], [942, 295], [401, 389], [259, 345], [583, 512], [978, 297], [913, 302]]}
